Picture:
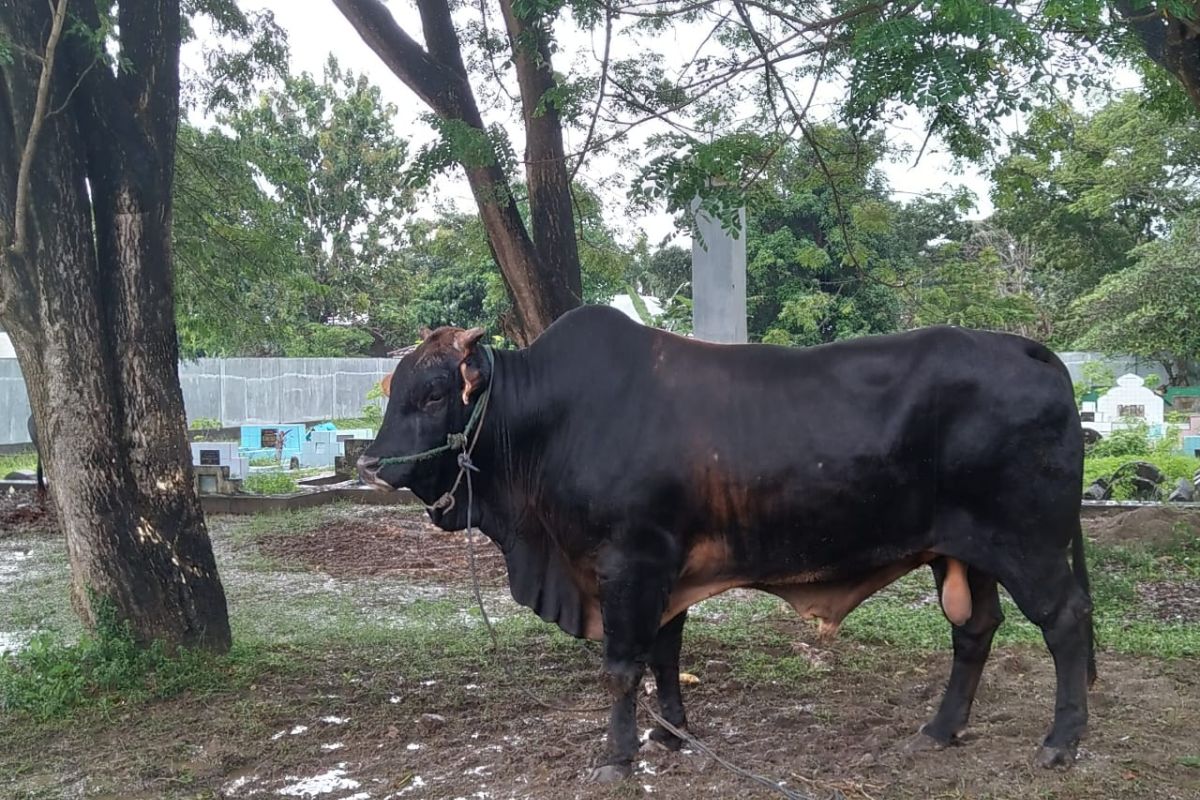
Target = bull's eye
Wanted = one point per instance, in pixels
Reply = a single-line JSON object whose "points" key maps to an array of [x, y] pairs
{"points": [[435, 397]]}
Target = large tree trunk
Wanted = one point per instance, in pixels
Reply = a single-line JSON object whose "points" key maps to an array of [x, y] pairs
{"points": [[541, 271], [86, 293], [1171, 40]]}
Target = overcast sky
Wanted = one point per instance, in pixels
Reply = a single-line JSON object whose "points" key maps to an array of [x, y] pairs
{"points": [[315, 28]]}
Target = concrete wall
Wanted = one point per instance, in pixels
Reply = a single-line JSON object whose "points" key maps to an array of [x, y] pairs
{"points": [[1119, 365], [14, 405], [239, 391]]}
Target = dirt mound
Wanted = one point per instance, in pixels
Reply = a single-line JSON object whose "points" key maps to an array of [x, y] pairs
{"points": [[1149, 525], [400, 544]]}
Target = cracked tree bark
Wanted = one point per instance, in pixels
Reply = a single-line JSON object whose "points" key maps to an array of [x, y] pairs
{"points": [[85, 291]]}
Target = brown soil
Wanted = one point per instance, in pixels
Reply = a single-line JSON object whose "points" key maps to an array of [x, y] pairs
{"points": [[25, 514], [398, 543], [1154, 526], [1172, 600], [845, 734]]}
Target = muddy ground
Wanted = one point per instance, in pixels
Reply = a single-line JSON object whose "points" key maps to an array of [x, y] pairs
{"points": [[378, 704]]}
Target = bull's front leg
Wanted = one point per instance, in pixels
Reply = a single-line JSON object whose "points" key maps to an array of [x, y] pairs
{"points": [[634, 587]]}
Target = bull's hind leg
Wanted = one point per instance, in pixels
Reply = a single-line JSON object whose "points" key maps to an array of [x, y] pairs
{"points": [[1049, 595], [972, 644], [664, 660]]}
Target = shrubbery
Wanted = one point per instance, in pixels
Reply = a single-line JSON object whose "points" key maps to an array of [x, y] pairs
{"points": [[269, 483], [1134, 444]]}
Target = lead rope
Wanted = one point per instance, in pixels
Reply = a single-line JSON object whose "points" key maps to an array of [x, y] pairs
{"points": [[465, 470]]}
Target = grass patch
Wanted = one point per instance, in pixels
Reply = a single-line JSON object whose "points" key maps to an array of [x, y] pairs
{"points": [[52, 678], [347, 423], [269, 483], [1173, 466], [264, 461], [18, 462]]}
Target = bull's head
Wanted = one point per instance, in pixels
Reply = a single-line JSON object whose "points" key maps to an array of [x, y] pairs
{"points": [[430, 397]]}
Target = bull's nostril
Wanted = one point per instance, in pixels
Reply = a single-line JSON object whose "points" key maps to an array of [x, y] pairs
{"points": [[367, 463]]}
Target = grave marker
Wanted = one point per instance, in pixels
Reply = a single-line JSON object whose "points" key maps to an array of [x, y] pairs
{"points": [[220, 454]]}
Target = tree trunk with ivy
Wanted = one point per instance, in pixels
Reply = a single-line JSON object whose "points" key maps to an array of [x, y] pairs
{"points": [[540, 263], [86, 166]]}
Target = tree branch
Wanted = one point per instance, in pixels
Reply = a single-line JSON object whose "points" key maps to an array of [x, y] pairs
{"points": [[20, 233], [587, 142], [434, 82]]}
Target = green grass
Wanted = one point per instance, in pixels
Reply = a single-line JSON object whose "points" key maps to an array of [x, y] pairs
{"points": [[18, 462], [52, 678], [358, 422], [1172, 466], [269, 483], [264, 461]]}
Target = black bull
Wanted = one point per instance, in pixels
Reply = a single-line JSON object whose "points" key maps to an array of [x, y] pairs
{"points": [[628, 473]]}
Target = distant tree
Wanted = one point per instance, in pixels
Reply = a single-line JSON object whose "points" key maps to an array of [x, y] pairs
{"points": [[972, 284], [815, 269], [239, 275], [457, 282], [962, 65], [663, 273], [1151, 308], [1088, 189], [328, 152]]}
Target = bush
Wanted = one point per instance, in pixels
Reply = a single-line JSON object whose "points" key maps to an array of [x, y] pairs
{"points": [[1127, 442], [205, 423], [269, 483], [1134, 442], [1172, 465]]}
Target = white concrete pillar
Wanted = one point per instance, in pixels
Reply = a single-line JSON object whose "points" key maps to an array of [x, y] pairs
{"points": [[718, 280]]}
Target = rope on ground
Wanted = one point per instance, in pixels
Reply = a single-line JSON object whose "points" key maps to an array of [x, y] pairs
{"points": [[466, 468]]}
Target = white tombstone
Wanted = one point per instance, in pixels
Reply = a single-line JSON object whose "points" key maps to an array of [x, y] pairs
{"points": [[322, 447], [1128, 402], [221, 454]]}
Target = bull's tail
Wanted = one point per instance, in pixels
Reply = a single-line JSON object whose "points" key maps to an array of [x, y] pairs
{"points": [[1079, 567]]}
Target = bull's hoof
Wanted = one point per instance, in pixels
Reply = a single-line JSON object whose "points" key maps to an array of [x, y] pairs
{"points": [[1055, 757], [610, 773], [927, 740], [663, 738]]}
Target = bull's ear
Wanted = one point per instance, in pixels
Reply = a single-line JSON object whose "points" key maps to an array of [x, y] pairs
{"points": [[425, 332], [385, 385], [471, 366]]}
